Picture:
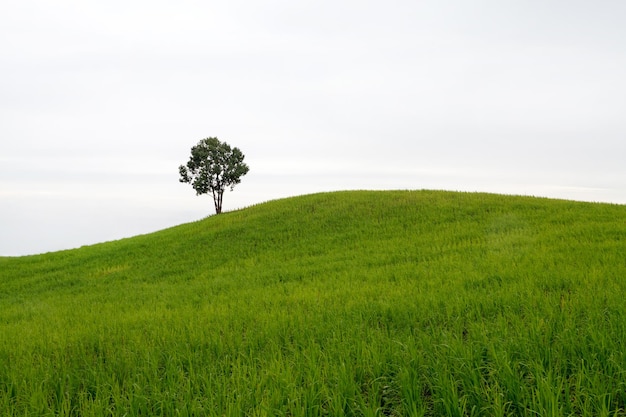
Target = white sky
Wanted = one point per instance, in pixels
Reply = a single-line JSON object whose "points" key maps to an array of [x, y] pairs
{"points": [[101, 101]]}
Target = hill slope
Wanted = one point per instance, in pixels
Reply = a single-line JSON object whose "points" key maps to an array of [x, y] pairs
{"points": [[349, 303]]}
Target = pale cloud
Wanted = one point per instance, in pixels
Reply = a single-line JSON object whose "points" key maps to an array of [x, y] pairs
{"points": [[101, 101]]}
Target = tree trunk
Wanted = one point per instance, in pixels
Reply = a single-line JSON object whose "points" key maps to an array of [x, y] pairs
{"points": [[217, 200]]}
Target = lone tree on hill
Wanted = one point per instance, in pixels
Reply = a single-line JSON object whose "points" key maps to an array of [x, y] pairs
{"points": [[213, 166]]}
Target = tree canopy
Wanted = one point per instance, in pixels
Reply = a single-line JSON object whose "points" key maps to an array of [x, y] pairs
{"points": [[212, 167]]}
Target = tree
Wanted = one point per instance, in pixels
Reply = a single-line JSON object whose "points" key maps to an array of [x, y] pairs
{"points": [[213, 166]]}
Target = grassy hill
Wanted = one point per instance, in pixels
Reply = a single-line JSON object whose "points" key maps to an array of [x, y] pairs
{"points": [[349, 303]]}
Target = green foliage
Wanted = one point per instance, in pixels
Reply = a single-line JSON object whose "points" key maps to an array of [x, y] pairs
{"points": [[212, 167], [398, 303]]}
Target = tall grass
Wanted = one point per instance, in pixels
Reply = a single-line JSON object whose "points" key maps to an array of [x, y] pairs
{"points": [[418, 303]]}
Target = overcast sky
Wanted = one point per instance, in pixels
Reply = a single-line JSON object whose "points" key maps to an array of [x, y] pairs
{"points": [[101, 101]]}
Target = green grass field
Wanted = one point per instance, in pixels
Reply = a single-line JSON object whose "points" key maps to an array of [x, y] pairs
{"points": [[363, 303]]}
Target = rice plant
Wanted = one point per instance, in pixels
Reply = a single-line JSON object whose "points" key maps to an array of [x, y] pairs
{"points": [[362, 303]]}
